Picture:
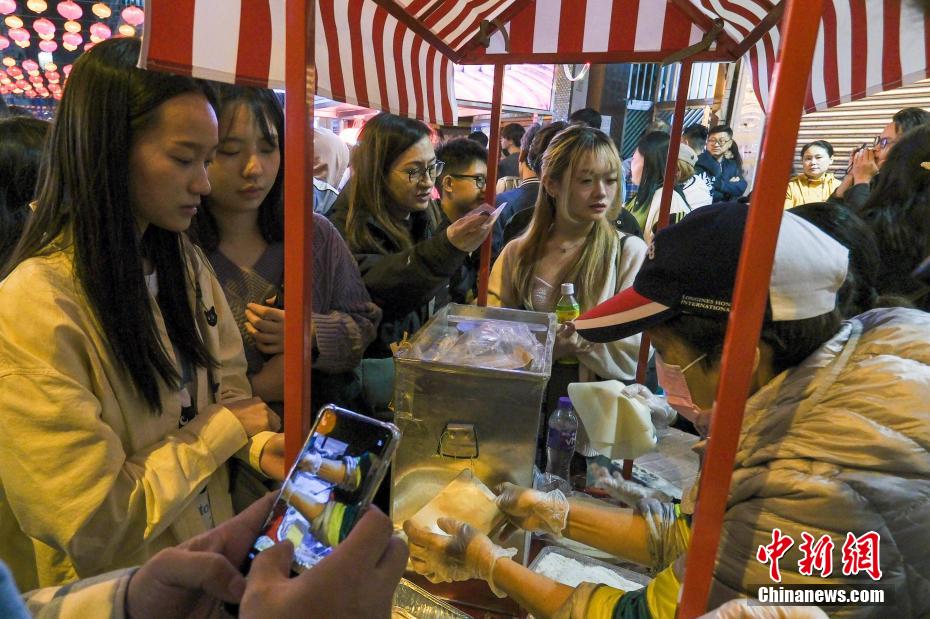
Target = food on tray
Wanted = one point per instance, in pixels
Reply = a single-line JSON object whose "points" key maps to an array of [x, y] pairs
{"points": [[465, 499]]}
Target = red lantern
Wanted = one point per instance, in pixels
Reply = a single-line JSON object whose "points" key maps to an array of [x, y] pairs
{"points": [[4, 42], [7, 7], [72, 38], [101, 31], [43, 26], [48, 46], [67, 69], [37, 6], [133, 15], [101, 10], [13, 21], [19, 34], [69, 10], [126, 30], [72, 26], [30, 65]]}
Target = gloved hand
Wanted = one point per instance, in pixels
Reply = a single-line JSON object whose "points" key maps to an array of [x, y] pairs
{"points": [[534, 511], [310, 463], [741, 609], [624, 490], [662, 414], [463, 554]]}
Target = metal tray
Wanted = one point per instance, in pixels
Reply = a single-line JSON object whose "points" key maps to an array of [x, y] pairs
{"points": [[412, 602]]}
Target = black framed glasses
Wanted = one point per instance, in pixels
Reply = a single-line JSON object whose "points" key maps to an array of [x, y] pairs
{"points": [[718, 142], [430, 172], [882, 143], [480, 179]]}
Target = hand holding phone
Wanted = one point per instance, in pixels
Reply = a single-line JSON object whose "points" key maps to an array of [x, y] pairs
{"points": [[328, 489]]}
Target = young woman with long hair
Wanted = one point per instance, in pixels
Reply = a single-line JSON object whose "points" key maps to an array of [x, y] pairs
{"points": [[393, 227], [572, 238], [241, 229], [122, 375], [898, 211], [21, 142], [648, 171]]}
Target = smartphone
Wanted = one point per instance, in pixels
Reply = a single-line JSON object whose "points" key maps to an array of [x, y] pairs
{"points": [[330, 485]]}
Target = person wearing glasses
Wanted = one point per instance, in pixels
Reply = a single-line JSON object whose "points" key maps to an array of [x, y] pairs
{"points": [[405, 251], [722, 164], [865, 162], [461, 190]]}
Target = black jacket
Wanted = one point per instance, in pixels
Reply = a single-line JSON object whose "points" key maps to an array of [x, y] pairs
{"points": [[408, 285]]}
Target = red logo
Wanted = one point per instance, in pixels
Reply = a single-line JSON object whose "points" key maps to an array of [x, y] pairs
{"points": [[771, 553], [860, 554]]}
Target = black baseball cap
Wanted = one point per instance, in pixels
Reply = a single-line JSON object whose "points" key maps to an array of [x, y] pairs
{"points": [[691, 269]]}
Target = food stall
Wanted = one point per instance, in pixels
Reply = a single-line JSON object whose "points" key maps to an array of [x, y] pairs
{"points": [[398, 56]]}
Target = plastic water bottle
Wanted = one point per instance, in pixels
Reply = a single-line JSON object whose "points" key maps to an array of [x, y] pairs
{"points": [[567, 310], [560, 442]]}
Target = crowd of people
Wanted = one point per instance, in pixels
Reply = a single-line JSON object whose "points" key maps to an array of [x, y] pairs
{"points": [[141, 338]]}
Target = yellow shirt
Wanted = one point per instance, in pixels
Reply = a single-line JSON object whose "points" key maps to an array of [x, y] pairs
{"points": [[90, 479], [802, 190]]}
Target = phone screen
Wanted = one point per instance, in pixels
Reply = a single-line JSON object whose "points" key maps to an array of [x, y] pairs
{"points": [[332, 482]]}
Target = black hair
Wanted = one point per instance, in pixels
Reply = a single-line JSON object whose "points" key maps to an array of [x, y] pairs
{"points": [[267, 112], [458, 155], [534, 156], [898, 208], [83, 190], [21, 143], [480, 137], [734, 149], [696, 136], [588, 116], [513, 132], [820, 143], [653, 147], [910, 118], [791, 341], [859, 292], [527, 139]]}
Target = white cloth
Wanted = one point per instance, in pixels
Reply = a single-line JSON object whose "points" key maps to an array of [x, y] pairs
{"points": [[617, 426]]}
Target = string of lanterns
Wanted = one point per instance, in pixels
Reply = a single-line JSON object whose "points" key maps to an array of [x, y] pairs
{"points": [[28, 78]]}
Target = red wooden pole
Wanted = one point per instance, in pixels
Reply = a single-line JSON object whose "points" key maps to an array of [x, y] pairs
{"points": [[497, 97], [665, 205], [300, 78], [789, 88]]}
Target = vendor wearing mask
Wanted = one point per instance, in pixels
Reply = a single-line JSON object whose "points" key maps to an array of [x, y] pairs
{"points": [[821, 451]]}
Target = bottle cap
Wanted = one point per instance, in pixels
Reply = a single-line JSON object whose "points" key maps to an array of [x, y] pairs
{"points": [[565, 401], [568, 288]]}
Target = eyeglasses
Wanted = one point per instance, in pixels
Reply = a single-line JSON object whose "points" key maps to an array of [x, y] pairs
{"points": [[882, 143], [719, 142], [480, 179], [430, 172]]}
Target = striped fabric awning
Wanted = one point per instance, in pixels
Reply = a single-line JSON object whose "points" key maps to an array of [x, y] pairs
{"points": [[397, 55], [864, 47], [364, 55]]}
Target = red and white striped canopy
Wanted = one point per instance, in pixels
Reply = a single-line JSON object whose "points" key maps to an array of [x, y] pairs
{"points": [[397, 55]]}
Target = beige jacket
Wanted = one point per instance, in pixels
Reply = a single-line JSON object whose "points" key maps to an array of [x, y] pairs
{"points": [[90, 480]]}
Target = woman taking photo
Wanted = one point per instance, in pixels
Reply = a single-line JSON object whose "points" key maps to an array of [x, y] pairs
{"points": [[815, 183], [241, 229], [571, 239], [648, 171], [392, 226], [123, 390]]}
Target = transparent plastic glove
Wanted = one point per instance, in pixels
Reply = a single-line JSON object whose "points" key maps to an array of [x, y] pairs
{"points": [[741, 609], [534, 511], [463, 554], [662, 414], [624, 490], [311, 462]]}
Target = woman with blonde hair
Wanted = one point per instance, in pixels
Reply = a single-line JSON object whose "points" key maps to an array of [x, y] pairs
{"points": [[572, 238]]}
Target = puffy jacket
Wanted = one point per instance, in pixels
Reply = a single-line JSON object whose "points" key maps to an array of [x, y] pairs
{"points": [[840, 444], [408, 285], [90, 478]]}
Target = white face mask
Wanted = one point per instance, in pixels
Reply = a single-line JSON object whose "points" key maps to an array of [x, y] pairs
{"points": [[672, 381]]}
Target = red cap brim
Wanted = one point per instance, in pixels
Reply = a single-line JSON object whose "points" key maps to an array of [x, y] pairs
{"points": [[621, 316]]}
